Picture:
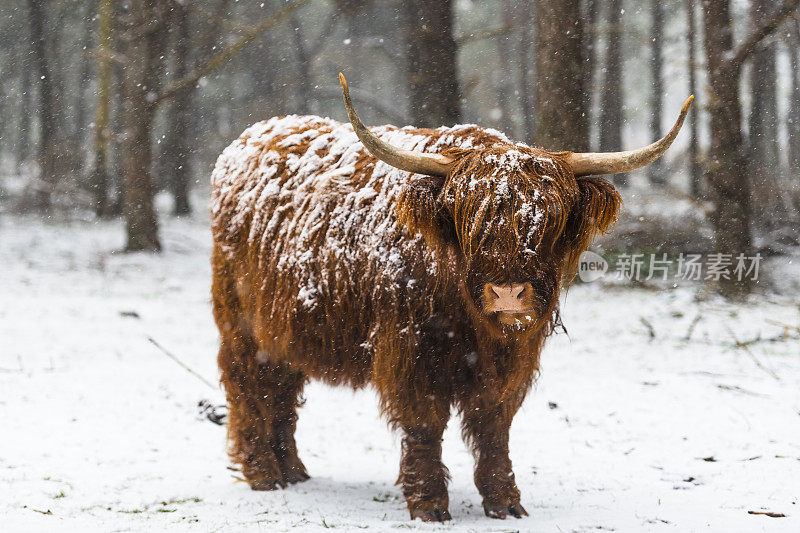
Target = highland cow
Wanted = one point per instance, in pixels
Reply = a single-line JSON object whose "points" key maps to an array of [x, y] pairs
{"points": [[424, 262]]}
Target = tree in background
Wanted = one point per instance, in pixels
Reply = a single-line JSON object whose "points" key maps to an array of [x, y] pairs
{"points": [[793, 116], [562, 116], [145, 48], [611, 90], [655, 171], [762, 139], [695, 173], [432, 76], [591, 13], [526, 11], [99, 179], [48, 117], [727, 172], [144, 89]]}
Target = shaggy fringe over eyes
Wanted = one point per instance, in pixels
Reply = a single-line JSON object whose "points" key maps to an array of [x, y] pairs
{"points": [[595, 213], [486, 200]]}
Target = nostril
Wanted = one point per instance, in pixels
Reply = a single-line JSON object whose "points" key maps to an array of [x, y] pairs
{"points": [[522, 292], [494, 292]]}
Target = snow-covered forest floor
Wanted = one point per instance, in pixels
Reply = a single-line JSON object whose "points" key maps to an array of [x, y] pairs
{"points": [[630, 428]]}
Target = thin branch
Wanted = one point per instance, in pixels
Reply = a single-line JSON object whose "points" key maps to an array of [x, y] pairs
{"points": [[746, 348], [765, 30], [483, 34], [221, 57], [181, 363]]}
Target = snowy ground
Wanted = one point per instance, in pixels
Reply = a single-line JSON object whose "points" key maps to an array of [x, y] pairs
{"points": [[624, 432]]}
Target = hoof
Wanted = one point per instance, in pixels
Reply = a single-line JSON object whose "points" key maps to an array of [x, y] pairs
{"points": [[266, 484], [501, 511], [295, 477], [431, 515]]}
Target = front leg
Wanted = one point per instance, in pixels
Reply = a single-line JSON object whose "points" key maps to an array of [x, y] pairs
{"points": [[423, 476], [486, 430]]}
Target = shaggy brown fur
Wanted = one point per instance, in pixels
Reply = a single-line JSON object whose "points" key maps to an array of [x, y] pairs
{"points": [[330, 265]]}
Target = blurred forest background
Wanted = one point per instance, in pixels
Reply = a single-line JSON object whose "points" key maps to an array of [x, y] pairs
{"points": [[119, 108]]}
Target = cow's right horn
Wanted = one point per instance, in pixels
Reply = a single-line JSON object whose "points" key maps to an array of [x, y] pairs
{"points": [[419, 163], [595, 164]]}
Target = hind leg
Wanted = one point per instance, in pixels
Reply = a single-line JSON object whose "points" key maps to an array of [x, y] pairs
{"points": [[251, 411], [262, 396], [289, 386]]}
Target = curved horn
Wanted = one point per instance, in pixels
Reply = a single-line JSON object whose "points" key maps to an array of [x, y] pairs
{"points": [[617, 162], [419, 163]]}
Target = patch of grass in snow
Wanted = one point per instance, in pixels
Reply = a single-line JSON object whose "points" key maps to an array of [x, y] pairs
{"points": [[162, 506]]}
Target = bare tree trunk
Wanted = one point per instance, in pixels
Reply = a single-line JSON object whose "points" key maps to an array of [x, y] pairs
{"points": [[431, 54], [793, 118], [175, 149], [695, 175], [527, 64], [5, 119], [104, 45], [303, 63], [84, 76], [503, 85], [563, 122], [46, 105], [591, 13], [611, 97], [26, 110], [655, 171], [764, 152], [727, 174], [116, 176], [141, 76]]}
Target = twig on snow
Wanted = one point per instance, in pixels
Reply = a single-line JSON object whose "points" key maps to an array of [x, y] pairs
{"points": [[692, 326], [744, 345], [768, 513], [181, 363], [650, 330], [782, 325]]}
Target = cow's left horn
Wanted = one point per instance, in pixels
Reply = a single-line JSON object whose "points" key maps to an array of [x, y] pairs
{"points": [[616, 162], [419, 163]]}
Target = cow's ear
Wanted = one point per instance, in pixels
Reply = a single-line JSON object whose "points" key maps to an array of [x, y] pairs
{"points": [[420, 210], [596, 212]]}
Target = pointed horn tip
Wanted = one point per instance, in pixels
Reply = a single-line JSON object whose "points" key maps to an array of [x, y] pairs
{"points": [[342, 81], [687, 104]]}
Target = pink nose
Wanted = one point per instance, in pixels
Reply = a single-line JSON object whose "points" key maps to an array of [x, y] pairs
{"points": [[509, 298]]}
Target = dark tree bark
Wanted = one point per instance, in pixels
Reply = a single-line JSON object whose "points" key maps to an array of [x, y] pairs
{"points": [[764, 151], [84, 75], [655, 171], [526, 13], [144, 62], [726, 175], [26, 110], [432, 77], [562, 117], [177, 144], [46, 150], [5, 115], [695, 174], [104, 48], [611, 96], [591, 13], [503, 85], [303, 63], [793, 117]]}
